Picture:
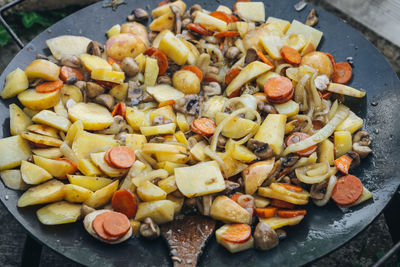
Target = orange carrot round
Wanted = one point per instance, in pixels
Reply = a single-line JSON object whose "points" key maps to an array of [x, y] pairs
{"points": [[203, 126], [297, 137], [290, 55], [278, 90], [226, 34], [195, 70], [291, 187], [162, 61], [343, 73], [97, 226], [150, 51], [122, 157], [347, 190], [264, 58], [116, 224], [67, 72], [237, 233], [236, 196], [282, 204], [48, 87], [124, 201], [221, 16], [267, 212], [108, 160], [291, 213]]}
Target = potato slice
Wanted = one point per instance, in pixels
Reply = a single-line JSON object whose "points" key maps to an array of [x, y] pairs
{"points": [[60, 109], [269, 193], [30, 112], [98, 160], [236, 127], [59, 213], [39, 101], [253, 11], [278, 222], [182, 122], [50, 153], [43, 69], [66, 45], [86, 143], [89, 182], [102, 196], [87, 167], [50, 191], [41, 139], [352, 123], [108, 75], [272, 44], [272, 132], [50, 118], [281, 24], [16, 82], [210, 22], [164, 92], [308, 32], [214, 105], [136, 118], [135, 141], [151, 71], [75, 127], [13, 179], [114, 30], [345, 90], [175, 158], [140, 179], [119, 91], [148, 191], [160, 211], [43, 130], [232, 166], [326, 151], [178, 202], [225, 209], [248, 73], [289, 108], [92, 62], [164, 22], [261, 202], [159, 147], [33, 174], [168, 184], [168, 128], [18, 120], [69, 153], [57, 168], [71, 92], [76, 194], [197, 151], [12, 150], [174, 48], [93, 116]]}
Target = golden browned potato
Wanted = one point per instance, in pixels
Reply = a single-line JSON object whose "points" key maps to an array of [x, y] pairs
{"points": [[319, 61], [38, 101], [124, 45], [137, 29], [186, 81], [43, 69]]}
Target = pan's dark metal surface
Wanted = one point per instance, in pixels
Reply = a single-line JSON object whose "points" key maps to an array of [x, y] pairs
{"points": [[323, 229]]}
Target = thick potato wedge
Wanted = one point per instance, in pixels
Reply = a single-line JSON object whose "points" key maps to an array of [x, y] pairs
{"points": [[167, 148], [50, 191], [278, 222], [16, 82], [253, 11], [86, 143], [75, 127], [39, 101], [148, 191], [93, 116], [18, 120], [50, 153], [13, 179], [160, 211], [65, 45], [108, 76], [225, 209], [272, 131], [124, 45], [151, 71], [59, 213], [159, 11], [50, 118], [12, 150], [343, 142], [87, 167], [57, 168], [33, 174], [42, 139], [256, 174], [236, 127], [92, 62], [135, 141], [98, 160], [43, 130], [42, 69], [168, 184], [210, 22], [120, 91], [102, 196], [71, 92], [174, 48], [89, 182], [60, 109], [136, 118], [164, 22], [168, 128], [76, 194]]}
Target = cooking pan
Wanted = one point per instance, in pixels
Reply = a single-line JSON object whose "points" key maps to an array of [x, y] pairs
{"points": [[323, 229]]}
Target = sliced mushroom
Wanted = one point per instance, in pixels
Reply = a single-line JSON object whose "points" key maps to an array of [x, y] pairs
{"points": [[81, 85], [116, 127], [251, 55], [94, 89], [265, 108], [164, 79], [157, 139], [178, 19], [105, 100], [265, 237], [71, 61], [185, 33], [363, 138], [290, 160], [130, 66], [204, 204], [232, 52], [362, 151], [281, 234], [212, 88], [148, 229], [221, 141], [356, 159], [312, 18], [260, 149], [195, 8], [95, 48], [121, 138], [318, 190], [230, 187], [186, 22], [189, 104], [138, 14], [135, 94]]}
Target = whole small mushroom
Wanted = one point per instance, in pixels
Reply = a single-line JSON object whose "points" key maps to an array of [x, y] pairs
{"points": [[138, 14], [71, 61], [148, 229], [95, 48], [260, 149], [130, 66], [94, 89], [232, 52], [164, 79], [105, 100], [178, 20], [362, 151], [204, 204], [212, 88], [361, 142], [265, 237]]}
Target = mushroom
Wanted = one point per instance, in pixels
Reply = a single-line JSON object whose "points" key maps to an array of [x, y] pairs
{"points": [[148, 229], [204, 204], [138, 14], [251, 55], [129, 66], [71, 61], [189, 104], [266, 108], [274, 172], [185, 33], [265, 237], [195, 8], [290, 160], [135, 94], [94, 89], [178, 20], [247, 202], [116, 127], [221, 141], [105, 100], [260, 149], [250, 89], [71, 80], [362, 151], [312, 18], [318, 190], [232, 52], [95, 48], [230, 187], [186, 22], [356, 159], [363, 138], [212, 88], [321, 82], [81, 85], [281, 234], [121, 138], [157, 139], [164, 79]]}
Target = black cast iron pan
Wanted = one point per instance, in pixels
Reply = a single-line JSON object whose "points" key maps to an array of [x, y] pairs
{"points": [[323, 229]]}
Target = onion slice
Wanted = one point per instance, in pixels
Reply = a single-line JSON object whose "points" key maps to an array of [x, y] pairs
{"points": [[328, 193]]}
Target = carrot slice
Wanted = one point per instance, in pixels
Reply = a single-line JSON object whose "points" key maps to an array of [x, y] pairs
{"points": [[68, 72], [260, 97], [332, 59], [164, 2], [297, 137], [290, 55], [112, 61], [122, 157], [226, 34], [343, 163], [162, 61], [278, 90], [108, 160], [150, 51], [116, 224], [124, 201], [266, 212], [237, 233], [291, 213], [347, 190], [221, 16], [195, 70], [326, 95], [97, 226], [197, 28], [233, 18], [236, 196], [48, 87], [282, 204], [73, 164], [232, 73], [291, 187], [343, 73], [209, 79], [264, 58], [166, 103], [203, 126], [119, 109]]}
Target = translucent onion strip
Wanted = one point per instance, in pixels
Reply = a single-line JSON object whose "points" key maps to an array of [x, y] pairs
{"points": [[314, 93], [302, 118], [280, 67], [300, 95], [322, 134], [322, 171], [213, 155], [328, 193], [333, 109]]}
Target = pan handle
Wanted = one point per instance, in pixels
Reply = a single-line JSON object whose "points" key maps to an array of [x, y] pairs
{"points": [[5, 24]]}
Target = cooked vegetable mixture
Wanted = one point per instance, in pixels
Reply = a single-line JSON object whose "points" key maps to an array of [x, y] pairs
{"points": [[220, 113]]}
